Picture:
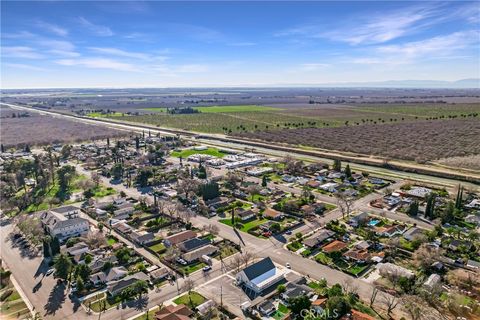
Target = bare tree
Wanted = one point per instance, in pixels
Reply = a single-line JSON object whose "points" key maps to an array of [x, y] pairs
{"points": [[345, 203], [247, 257], [211, 228], [349, 286], [425, 255], [237, 262], [96, 178], [390, 302], [373, 296], [188, 286]]}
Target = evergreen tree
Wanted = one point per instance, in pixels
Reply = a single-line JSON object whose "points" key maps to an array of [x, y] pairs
{"points": [[458, 200], [430, 207], [80, 284], [348, 172], [448, 214], [413, 209], [62, 266], [2, 148], [337, 165], [108, 142], [137, 143], [55, 246], [264, 181]]}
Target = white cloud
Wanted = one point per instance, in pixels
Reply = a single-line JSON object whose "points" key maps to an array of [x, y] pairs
{"points": [[23, 66], [97, 29], [18, 35], [242, 44], [53, 28], [21, 52], [313, 66], [385, 26], [121, 53], [446, 46], [99, 63]]}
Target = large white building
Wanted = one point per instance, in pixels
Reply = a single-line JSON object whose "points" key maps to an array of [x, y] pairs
{"points": [[64, 222], [260, 276]]}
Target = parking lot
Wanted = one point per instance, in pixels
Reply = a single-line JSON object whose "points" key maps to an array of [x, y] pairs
{"points": [[222, 290]]}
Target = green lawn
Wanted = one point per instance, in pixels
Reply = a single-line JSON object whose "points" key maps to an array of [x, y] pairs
{"points": [[193, 267], [188, 152], [104, 115], [226, 250], [224, 109], [323, 258], [158, 248], [356, 269], [195, 298], [102, 191], [247, 226], [111, 241], [97, 306]]}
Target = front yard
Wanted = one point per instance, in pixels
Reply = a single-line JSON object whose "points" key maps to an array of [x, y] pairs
{"points": [[193, 300]]}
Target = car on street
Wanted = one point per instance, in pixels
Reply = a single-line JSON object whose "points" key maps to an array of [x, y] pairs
{"points": [[207, 268], [288, 265]]}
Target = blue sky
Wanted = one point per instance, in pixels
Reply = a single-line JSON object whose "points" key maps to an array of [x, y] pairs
{"points": [[169, 44]]}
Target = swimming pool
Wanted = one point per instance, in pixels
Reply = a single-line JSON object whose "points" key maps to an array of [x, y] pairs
{"points": [[373, 222]]}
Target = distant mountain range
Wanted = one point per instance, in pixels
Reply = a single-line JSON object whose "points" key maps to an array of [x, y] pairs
{"points": [[459, 84]]}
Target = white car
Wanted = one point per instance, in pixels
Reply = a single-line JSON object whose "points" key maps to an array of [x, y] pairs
{"points": [[49, 272], [288, 265]]}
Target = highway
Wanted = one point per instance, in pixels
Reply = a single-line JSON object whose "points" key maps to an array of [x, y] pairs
{"points": [[220, 140]]}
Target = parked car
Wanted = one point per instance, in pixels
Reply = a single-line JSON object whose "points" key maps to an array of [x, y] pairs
{"points": [[49, 272], [181, 261], [288, 265], [207, 268]]}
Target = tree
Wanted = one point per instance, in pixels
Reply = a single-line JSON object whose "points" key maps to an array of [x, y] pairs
{"points": [[339, 305], [348, 172], [63, 266], [209, 190], [281, 288], [82, 271], [345, 203], [65, 175], [80, 284], [430, 206], [413, 209], [299, 303], [449, 212], [253, 190], [459, 198], [143, 175], [96, 179], [139, 287], [425, 255], [390, 302], [337, 165], [117, 171], [373, 296], [264, 181], [188, 286]]}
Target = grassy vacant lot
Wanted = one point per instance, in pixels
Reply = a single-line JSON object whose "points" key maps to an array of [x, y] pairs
{"points": [[188, 152], [192, 300]]}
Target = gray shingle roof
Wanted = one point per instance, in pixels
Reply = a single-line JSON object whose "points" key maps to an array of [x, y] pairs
{"points": [[259, 268]]}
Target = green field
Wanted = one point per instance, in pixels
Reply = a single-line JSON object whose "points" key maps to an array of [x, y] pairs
{"points": [[188, 152], [103, 115]]}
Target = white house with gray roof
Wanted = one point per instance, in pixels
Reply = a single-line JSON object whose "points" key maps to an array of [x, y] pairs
{"points": [[64, 222], [260, 276]]}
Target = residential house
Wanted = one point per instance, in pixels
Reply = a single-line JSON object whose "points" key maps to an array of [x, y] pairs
{"points": [[175, 239], [193, 244], [433, 282], [260, 276], [142, 238], [196, 254], [473, 218], [357, 315], [273, 214], [293, 289], [314, 208], [357, 220], [98, 278], [334, 246], [360, 256], [457, 244], [116, 273], [117, 287], [418, 192], [206, 308], [64, 222], [329, 186], [158, 274], [412, 233], [122, 227], [318, 238], [266, 308], [98, 263], [77, 249], [362, 245], [474, 204], [392, 269], [218, 202], [244, 215], [389, 231]]}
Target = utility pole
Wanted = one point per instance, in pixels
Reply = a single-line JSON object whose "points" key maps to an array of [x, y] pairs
{"points": [[221, 296]]}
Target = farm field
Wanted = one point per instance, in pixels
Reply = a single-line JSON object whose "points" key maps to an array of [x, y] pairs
{"points": [[243, 118], [417, 141], [38, 129]]}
